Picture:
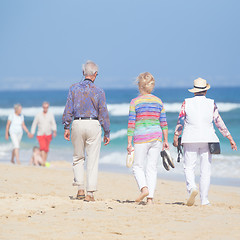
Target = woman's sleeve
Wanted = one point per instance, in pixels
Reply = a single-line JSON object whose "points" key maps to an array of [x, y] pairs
{"points": [[219, 122], [180, 122], [10, 117], [163, 119], [131, 119]]}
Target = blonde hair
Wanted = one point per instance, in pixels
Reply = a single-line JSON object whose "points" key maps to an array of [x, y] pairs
{"points": [[146, 82]]}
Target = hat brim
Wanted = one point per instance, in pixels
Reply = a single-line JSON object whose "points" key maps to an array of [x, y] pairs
{"points": [[195, 90]]}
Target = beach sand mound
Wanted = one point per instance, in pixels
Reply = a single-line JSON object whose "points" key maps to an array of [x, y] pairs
{"points": [[39, 203]]}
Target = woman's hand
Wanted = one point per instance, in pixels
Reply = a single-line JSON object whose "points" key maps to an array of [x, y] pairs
{"points": [[233, 144], [30, 135], [129, 148], [6, 136], [165, 145], [175, 140]]}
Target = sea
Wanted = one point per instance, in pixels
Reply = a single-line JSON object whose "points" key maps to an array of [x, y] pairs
{"points": [[225, 167]]}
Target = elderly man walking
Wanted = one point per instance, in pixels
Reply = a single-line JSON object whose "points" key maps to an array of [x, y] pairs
{"points": [[86, 104], [47, 127]]}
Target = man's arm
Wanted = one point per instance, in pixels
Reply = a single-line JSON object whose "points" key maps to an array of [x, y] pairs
{"points": [[54, 126], [68, 111], [103, 117], [67, 115], [34, 125]]}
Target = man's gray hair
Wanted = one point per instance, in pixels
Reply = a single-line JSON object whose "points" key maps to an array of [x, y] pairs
{"points": [[17, 106], [45, 102], [89, 68]]}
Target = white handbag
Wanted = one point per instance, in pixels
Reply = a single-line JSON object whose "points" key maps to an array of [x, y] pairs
{"points": [[130, 159]]}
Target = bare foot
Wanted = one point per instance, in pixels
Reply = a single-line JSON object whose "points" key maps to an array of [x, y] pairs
{"points": [[150, 201], [144, 193], [12, 161]]}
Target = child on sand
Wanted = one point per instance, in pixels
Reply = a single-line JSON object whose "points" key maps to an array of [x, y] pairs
{"points": [[36, 157]]}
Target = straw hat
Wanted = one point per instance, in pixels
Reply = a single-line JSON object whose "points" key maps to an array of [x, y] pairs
{"points": [[200, 85]]}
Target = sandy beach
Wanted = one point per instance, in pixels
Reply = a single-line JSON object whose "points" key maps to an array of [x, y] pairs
{"points": [[38, 203]]}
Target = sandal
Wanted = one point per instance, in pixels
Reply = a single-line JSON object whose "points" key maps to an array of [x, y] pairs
{"points": [[80, 197]]}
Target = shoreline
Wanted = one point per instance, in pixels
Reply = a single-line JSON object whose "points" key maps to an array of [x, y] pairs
{"points": [[163, 175], [231, 182]]}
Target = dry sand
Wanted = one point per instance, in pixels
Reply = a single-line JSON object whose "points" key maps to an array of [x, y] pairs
{"points": [[36, 203]]}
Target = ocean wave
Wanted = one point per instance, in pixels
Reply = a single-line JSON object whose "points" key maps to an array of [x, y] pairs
{"points": [[121, 109], [118, 134], [5, 149], [116, 158], [223, 165], [32, 111]]}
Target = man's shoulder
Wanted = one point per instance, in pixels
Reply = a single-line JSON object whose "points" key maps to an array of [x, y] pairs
{"points": [[97, 89], [75, 85], [39, 114]]}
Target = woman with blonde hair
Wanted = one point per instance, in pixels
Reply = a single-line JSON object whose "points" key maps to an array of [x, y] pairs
{"points": [[146, 125], [14, 129]]}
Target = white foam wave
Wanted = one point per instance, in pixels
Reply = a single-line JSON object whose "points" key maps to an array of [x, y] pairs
{"points": [[117, 158], [123, 109], [114, 109], [118, 109], [227, 107], [32, 111], [5, 149], [118, 134]]}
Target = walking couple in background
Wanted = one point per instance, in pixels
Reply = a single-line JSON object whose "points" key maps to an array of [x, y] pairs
{"points": [[147, 129], [46, 124]]}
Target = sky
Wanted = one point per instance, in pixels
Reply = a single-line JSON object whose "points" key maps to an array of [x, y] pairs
{"points": [[43, 44]]}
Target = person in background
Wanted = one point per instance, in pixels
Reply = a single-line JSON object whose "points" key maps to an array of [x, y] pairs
{"points": [[47, 128], [146, 125], [86, 104], [14, 129], [197, 116], [36, 158]]}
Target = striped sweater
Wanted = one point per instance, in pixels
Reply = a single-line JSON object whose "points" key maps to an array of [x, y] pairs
{"points": [[147, 119]]}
